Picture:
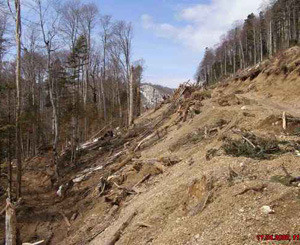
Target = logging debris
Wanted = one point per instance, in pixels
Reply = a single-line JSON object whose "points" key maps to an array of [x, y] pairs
{"points": [[118, 232], [33, 243], [250, 145]]}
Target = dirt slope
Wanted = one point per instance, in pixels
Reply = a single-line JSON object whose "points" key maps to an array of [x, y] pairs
{"points": [[208, 162]]}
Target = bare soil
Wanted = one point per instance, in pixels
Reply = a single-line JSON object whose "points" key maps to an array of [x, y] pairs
{"points": [[204, 197]]}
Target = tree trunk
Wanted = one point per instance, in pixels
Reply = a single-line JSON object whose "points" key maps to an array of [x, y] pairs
{"points": [[242, 55], [261, 47], [270, 40], [225, 61], [130, 116], [119, 102], [18, 98], [9, 158], [138, 98], [103, 96], [254, 45], [10, 224]]}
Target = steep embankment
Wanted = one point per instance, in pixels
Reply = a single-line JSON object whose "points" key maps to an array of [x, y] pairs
{"points": [[197, 170]]}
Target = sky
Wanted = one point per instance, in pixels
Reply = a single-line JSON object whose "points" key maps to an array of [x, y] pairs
{"points": [[171, 35]]}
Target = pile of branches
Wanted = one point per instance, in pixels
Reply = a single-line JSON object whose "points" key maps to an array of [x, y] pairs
{"points": [[250, 145]]}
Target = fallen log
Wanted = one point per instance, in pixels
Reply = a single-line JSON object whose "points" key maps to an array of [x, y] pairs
{"points": [[144, 140], [117, 234], [114, 158], [106, 223], [142, 180], [123, 163]]}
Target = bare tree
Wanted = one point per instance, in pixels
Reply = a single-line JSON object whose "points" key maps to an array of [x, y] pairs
{"points": [[3, 40], [18, 98], [88, 18], [131, 100], [70, 29], [48, 19], [124, 35], [106, 34]]}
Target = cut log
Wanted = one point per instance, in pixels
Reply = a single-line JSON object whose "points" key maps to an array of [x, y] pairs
{"points": [[123, 163], [142, 180], [144, 140], [114, 158], [105, 223], [117, 234]]}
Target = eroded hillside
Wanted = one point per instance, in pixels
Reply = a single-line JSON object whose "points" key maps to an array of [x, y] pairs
{"points": [[198, 169]]}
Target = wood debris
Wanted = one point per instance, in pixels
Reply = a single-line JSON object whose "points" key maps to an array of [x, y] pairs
{"points": [[117, 234], [142, 224], [256, 188], [34, 243]]}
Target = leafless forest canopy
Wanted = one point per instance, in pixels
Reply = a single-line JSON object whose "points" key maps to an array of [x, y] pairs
{"points": [[75, 68], [251, 41]]}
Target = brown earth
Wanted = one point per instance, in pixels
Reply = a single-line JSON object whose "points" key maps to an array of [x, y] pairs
{"points": [[194, 191]]}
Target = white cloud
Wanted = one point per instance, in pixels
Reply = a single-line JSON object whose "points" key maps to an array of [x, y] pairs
{"points": [[167, 80], [203, 23], [163, 30]]}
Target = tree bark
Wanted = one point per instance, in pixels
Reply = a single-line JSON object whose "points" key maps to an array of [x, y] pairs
{"points": [[130, 117], [18, 99], [103, 95], [10, 224], [138, 98]]}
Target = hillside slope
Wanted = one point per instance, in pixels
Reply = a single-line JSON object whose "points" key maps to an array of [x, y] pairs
{"points": [[198, 169]]}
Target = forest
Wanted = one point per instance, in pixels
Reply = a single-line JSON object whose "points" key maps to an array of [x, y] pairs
{"points": [[277, 27], [72, 75], [71, 114]]}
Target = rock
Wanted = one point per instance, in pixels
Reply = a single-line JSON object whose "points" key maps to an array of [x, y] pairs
{"points": [[59, 192], [243, 108], [267, 210]]}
